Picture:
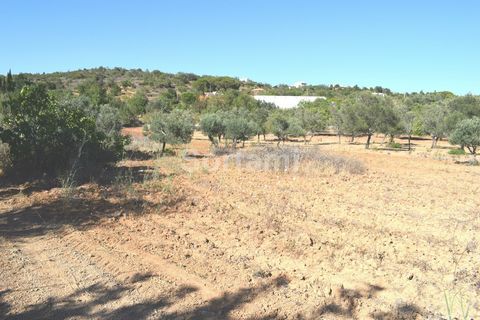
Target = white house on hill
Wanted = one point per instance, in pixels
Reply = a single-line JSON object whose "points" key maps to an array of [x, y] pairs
{"points": [[287, 102]]}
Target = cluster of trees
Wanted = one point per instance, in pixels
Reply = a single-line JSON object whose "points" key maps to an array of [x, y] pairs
{"points": [[50, 121], [367, 114], [235, 117], [47, 135], [242, 123]]}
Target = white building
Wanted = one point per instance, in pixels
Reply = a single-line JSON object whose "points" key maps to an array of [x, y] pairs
{"points": [[287, 102]]}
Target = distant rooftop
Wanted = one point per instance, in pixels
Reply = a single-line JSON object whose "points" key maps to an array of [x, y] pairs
{"points": [[287, 102]]}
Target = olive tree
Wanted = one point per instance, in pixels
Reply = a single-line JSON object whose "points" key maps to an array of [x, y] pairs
{"points": [[239, 128], [297, 128], [347, 120], [310, 120], [369, 110], [389, 119], [434, 122], [467, 134], [278, 123], [260, 117], [212, 124], [173, 128]]}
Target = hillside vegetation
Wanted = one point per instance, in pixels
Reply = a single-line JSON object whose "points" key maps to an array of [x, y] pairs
{"points": [[79, 115]]}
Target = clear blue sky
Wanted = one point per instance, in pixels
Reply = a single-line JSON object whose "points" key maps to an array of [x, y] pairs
{"points": [[406, 46]]}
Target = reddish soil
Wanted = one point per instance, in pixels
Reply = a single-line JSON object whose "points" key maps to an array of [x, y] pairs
{"points": [[192, 239]]}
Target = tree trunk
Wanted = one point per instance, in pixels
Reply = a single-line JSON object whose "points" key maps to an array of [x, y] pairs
{"points": [[352, 138], [163, 147], [258, 137], [212, 140], [367, 146], [409, 142], [243, 143], [264, 138], [433, 142], [339, 139]]}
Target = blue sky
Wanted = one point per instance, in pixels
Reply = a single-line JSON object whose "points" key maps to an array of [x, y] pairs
{"points": [[405, 46]]}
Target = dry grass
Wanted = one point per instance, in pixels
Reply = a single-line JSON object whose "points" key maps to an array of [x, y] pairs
{"points": [[296, 159]]}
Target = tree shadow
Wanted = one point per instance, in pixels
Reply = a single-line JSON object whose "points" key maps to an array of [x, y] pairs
{"points": [[80, 212], [113, 194], [4, 307], [72, 306], [345, 303], [401, 312], [10, 188], [140, 155], [123, 174], [469, 162]]}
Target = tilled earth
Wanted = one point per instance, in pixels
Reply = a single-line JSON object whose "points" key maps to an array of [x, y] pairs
{"points": [[205, 241]]}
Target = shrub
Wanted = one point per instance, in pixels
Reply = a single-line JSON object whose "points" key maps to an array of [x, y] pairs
{"points": [[457, 152], [134, 107], [221, 151], [109, 125], [394, 145], [50, 137]]}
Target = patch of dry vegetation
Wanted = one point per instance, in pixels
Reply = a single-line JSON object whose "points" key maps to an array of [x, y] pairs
{"points": [[296, 159]]}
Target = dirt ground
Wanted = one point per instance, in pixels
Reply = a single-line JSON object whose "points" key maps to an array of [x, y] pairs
{"points": [[198, 238]]}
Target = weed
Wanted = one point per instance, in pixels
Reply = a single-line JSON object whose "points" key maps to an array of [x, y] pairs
{"points": [[456, 152], [68, 184], [456, 300], [394, 145], [124, 184]]}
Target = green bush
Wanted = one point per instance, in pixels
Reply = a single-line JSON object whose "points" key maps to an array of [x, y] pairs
{"points": [[394, 145], [457, 152], [48, 137], [134, 107]]}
